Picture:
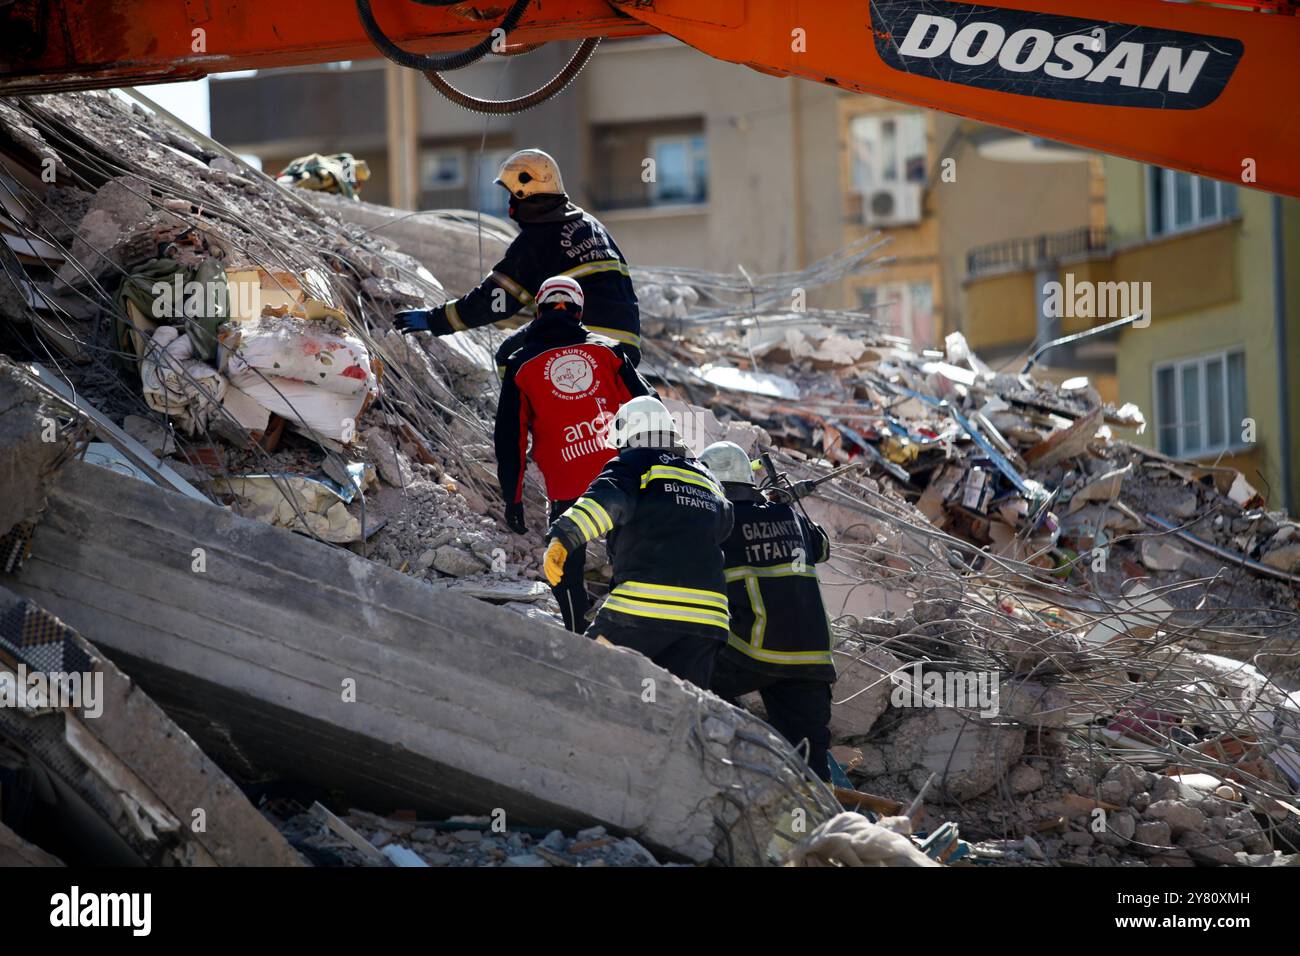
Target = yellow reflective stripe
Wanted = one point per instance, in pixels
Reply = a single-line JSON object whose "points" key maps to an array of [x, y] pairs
{"points": [[778, 571], [597, 511], [779, 657], [590, 526], [590, 268], [586, 526], [759, 630], [453, 317], [511, 286], [641, 589], [669, 473], [669, 612], [618, 335]]}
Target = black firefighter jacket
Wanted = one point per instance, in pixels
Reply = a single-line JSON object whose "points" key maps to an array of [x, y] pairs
{"points": [[666, 517], [778, 621], [563, 241]]}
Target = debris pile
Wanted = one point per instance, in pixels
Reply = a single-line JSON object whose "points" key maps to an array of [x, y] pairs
{"points": [[364, 839], [1055, 646]]}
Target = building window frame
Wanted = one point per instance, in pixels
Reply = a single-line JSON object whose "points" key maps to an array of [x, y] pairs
{"points": [[1162, 194], [696, 147], [455, 153], [1180, 424], [873, 156]]}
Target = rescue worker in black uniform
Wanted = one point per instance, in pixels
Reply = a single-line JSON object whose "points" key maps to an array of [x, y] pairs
{"points": [[561, 388], [555, 238], [780, 638], [666, 518]]}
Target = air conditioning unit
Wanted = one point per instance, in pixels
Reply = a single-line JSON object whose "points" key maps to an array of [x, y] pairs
{"points": [[898, 204]]}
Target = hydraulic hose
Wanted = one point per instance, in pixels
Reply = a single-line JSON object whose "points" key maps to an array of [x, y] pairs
{"points": [[430, 61], [519, 103]]}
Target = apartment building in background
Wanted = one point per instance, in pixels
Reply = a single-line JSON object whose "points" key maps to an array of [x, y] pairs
{"points": [[773, 173], [749, 169], [1215, 267]]}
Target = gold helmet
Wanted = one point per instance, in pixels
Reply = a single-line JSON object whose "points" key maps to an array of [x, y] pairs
{"points": [[530, 172]]}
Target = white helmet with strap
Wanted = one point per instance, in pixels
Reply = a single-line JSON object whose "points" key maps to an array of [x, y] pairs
{"points": [[729, 463], [643, 422], [561, 292], [530, 172]]}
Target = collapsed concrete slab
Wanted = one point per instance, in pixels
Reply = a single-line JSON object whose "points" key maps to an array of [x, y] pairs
{"points": [[31, 445], [103, 767], [15, 851], [283, 656]]}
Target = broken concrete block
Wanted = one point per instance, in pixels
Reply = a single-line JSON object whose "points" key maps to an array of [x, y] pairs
{"points": [[1205, 850], [1119, 784], [394, 467], [118, 206], [457, 562], [1179, 816], [1159, 555], [969, 754], [140, 776], [31, 444], [369, 685], [1024, 779], [1244, 827], [1285, 558], [15, 851], [1152, 836], [861, 694], [1122, 824], [1034, 705], [1104, 489]]}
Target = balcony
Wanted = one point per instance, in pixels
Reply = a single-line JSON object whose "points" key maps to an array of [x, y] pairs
{"points": [[1029, 253]]}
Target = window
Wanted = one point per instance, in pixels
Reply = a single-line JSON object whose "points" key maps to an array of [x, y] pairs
{"points": [[442, 168], [681, 170], [487, 196], [906, 309], [623, 156], [1181, 201], [886, 148], [1200, 403]]}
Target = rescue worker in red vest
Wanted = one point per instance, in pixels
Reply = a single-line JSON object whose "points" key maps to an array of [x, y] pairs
{"points": [[562, 385], [666, 518], [780, 639], [555, 238]]}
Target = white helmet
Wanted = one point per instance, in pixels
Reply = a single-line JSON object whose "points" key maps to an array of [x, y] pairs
{"points": [[561, 292], [530, 172], [643, 422], [728, 462]]}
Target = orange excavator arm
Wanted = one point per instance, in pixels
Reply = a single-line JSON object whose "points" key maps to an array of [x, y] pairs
{"points": [[1186, 85]]}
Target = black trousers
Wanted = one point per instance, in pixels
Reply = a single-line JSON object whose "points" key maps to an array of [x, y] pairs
{"points": [[797, 709], [571, 592], [688, 656]]}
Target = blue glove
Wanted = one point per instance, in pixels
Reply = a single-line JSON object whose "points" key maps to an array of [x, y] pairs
{"points": [[411, 320]]}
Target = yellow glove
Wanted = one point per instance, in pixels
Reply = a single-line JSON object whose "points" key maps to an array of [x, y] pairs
{"points": [[553, 565]]}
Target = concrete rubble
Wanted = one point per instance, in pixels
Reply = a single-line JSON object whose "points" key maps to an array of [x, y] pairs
{"points": [[1055, 646]]}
